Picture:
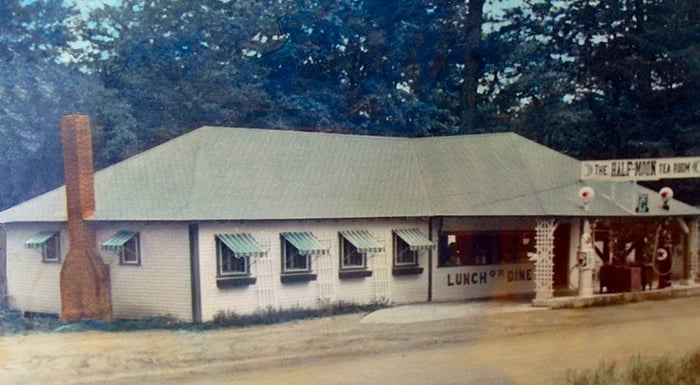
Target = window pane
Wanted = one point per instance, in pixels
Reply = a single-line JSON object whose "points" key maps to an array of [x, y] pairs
{"points": [[52, 249], [130, 252], [403, 253], [229, 262], [293, 260], [485, 247], [351, 258]]}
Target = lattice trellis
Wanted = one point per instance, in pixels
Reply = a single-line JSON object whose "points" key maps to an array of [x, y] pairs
{"points": [[326, 276], [544, 259], [382, 274], [266, 278], [693, 249]]}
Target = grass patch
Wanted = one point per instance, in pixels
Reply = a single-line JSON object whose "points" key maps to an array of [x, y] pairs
{"points": [[13, 322], [642, 371], [273, 316]]}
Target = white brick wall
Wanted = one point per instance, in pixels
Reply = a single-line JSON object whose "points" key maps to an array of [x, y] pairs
{"points": [[245, 300], [32, 285], [161, 285]]}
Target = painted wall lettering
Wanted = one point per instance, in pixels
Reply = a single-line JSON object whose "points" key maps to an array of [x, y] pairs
{"points": [[486, 277]]}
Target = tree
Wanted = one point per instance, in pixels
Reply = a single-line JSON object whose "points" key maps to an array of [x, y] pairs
{"points": [[368, 67], [616, 64], [181, 66], [33, 31], [38, 87]]}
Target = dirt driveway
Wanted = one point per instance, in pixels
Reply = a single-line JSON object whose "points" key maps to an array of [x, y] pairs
{"points": [[486, 348]]}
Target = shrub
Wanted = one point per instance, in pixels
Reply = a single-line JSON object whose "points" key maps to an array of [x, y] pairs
{"points": [[272, 315], [642, 371], [12, 321]]}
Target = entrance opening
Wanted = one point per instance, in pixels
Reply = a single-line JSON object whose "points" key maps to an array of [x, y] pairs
{"points": [[561, 256]]}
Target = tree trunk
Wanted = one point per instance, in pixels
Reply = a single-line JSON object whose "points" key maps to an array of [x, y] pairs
{"points": [[472, 65]]}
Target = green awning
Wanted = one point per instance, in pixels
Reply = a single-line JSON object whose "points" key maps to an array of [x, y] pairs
{"points": [[242, 244], [415, 239], [306, 243], [363, 241], [118, 240], [38, 240]]}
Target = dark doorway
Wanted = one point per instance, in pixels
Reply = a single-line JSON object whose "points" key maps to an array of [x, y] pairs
{"points": [[561, 255]]}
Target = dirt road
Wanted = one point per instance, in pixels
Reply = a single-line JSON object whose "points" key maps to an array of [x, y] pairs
{"points": [[515, 348]]}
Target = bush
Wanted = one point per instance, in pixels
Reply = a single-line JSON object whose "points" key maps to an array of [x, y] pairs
{"points": [[272, 316], [641, 371], [12, 321]]}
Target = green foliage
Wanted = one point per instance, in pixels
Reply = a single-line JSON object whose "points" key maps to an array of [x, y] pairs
{"points": [[642, 371], [274, 316], [627, 67], [592, 79], [12, 322], [33, 31]]}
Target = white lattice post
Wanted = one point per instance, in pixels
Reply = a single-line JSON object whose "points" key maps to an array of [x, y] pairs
{"points": [[586, 257], [544, 260], [693, 245]]}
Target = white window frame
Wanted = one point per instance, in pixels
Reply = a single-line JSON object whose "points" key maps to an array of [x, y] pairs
{"points": [[287, 248], [347, 247], [51, 249], [132, 247], [223, 251], [402, 247]]}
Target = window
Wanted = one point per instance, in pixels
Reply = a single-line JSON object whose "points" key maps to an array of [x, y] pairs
{"points": [[486, 247], [297, 250], [49, 244], [355, 246], [408, 244], [231, 264], [125, 244], [131, 252], [294, 260], [350, 256], [233, 255], [403, 254]]}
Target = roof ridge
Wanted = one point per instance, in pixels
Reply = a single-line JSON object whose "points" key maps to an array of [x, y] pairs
{"points": [[284, 131]]}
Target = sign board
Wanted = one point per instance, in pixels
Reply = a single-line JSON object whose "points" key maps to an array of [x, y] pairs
{"points": [[480, 281], [640, 169]]}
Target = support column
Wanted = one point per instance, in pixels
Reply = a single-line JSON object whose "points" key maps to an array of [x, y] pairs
{"points": [[586, 258], [544, 261], [692, 250]]}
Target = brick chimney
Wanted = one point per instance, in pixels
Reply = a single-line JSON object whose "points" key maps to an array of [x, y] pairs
{"points": [[85, 284]]}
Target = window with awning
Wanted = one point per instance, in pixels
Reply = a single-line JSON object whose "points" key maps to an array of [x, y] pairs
{"points": [[297, 248], [48, 243], [126, 244], [414, 239], [354, 247], [408, 243], [233, 253]]}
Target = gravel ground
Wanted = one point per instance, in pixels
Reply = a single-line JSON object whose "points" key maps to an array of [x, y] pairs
{"points": [[346, 344]]}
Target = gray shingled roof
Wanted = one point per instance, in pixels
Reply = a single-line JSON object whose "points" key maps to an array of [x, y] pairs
{"points": [[220, 173]]}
